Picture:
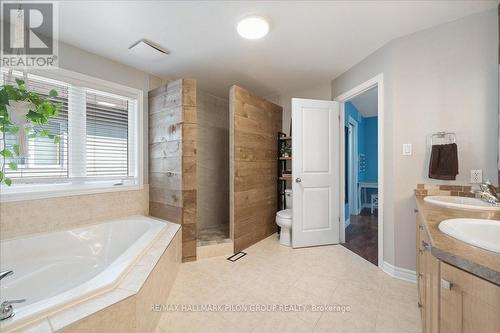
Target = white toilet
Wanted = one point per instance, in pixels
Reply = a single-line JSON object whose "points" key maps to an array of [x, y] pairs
{"points": [[284, 220]]}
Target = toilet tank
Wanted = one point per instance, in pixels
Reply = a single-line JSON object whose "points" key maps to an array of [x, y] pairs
{"points": [[289, 199]]}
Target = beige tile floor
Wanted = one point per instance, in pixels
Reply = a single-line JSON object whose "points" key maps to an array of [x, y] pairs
{"points": [[274, 274]]}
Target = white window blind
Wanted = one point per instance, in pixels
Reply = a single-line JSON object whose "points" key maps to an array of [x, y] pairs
{"points": [[98, 136], [107, 135]]}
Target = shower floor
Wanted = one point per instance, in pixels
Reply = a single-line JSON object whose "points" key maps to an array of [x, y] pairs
{"points": [[213, 235]]}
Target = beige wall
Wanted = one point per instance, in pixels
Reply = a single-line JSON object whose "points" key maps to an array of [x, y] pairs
{"points": [[439, 79], [213, 161], [21, 218]]}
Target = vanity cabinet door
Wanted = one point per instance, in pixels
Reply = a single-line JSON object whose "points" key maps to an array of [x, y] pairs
{"points": [[468, 304], [431, 280], [420, 266], [427, 280]]}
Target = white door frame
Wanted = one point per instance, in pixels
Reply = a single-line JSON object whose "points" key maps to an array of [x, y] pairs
{"points": [[377, 81], [353, 167]]}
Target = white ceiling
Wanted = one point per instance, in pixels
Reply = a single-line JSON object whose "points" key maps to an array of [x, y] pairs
{"points": [[309, 42], [366, 103]]}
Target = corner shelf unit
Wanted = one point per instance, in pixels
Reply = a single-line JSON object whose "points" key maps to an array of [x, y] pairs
{"points": [[284, 169]]}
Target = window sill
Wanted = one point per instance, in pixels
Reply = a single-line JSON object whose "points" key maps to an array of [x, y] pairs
{"points": [[61, 190]]}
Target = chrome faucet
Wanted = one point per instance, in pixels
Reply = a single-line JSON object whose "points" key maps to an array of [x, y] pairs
{"points": [[4, 274], [6, 308], [488, 193]]}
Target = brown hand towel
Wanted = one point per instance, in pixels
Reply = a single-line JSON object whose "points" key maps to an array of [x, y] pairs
{"points": [[444, 162]]}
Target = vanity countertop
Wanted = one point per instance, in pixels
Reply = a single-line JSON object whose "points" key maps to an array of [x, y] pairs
{"points": [[483, 263]]}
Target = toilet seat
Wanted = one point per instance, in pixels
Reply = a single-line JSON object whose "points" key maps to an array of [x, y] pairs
{"points": [[285, 214]]}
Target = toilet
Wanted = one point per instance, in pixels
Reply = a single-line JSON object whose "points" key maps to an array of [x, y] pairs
{"points": [[284, 220]]}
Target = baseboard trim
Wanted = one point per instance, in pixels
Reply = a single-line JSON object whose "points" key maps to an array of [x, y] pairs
{"points": [[399, 273]]}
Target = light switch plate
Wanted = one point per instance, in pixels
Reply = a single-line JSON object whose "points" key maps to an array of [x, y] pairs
{"points": [[407, 149], [476, 176]]}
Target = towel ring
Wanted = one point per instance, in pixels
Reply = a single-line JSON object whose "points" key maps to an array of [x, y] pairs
{"points": [[445, 137]]}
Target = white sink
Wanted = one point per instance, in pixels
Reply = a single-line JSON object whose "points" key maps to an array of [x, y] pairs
{"points": [[460, 202], [481, 233]]}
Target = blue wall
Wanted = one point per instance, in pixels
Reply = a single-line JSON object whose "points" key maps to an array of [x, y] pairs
{"points": [[351, 111], [370, 130], [367, 141], [367, 145]]}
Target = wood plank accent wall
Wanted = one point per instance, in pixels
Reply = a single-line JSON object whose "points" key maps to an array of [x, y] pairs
{"points": [[172, 158], [254, 127]]}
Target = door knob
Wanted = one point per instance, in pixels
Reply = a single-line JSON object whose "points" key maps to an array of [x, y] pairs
{"points": [[298, 180]]}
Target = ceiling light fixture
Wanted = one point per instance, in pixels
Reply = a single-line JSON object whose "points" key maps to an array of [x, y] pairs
{"points": [[253, 27]]}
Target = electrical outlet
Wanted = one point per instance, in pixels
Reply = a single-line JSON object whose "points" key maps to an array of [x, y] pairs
{"points": [[476, 176]]}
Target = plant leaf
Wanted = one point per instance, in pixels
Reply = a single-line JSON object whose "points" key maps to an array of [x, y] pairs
{"points": [[20, 82], [13, 165], [1, 176], [6, 153], [8, 181], [4, 97], [16, 149], [52, 93], [57, 139]]}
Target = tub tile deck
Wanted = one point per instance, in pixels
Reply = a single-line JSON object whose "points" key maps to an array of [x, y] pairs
{"points": [[69, 316], [39, 327]]}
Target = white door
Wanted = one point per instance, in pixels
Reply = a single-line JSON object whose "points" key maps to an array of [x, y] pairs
{"points": [[315, 172]]}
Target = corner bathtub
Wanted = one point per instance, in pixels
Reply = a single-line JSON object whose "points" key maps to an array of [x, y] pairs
{"points": [[55, 270]]}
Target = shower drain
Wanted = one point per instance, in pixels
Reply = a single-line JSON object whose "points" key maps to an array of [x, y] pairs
{"points": [[237, 256]]}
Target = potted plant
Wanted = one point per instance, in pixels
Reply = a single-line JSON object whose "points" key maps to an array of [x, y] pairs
{"points": [[286, 151], [23, 113]]}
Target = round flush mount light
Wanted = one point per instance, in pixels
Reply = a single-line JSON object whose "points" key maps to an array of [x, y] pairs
{"points": [[253, 27]]}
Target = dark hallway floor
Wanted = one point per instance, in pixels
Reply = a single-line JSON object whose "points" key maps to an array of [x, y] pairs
{"points": [[362, 235]]}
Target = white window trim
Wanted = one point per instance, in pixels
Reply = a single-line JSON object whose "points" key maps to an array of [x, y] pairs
{"points": [[42, 191], [45, 191]]}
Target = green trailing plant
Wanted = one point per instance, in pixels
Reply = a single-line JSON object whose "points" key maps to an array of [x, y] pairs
{"points": [[40, 111]]}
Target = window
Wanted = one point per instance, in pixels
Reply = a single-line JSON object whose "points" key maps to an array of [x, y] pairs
{"points": [[44, 158], [107, 135], [98, 132]]}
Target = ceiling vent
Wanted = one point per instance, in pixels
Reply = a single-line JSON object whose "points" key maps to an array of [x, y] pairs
{"points": [[148, 50]]}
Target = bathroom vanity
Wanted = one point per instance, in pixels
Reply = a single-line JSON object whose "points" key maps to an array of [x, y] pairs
{"points": [[458, 284]]}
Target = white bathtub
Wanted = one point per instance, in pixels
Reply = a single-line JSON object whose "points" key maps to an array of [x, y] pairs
{"points": [[54, 270]]}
